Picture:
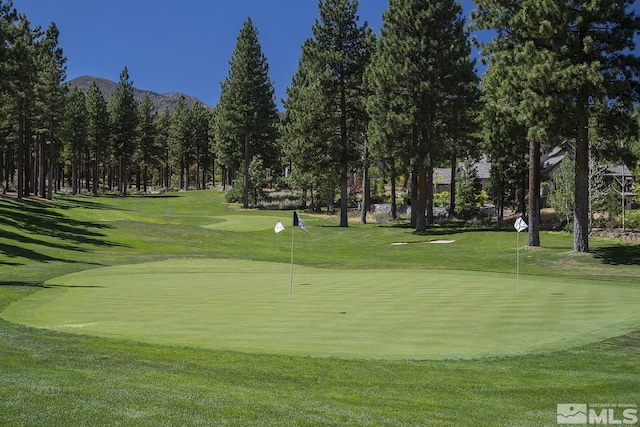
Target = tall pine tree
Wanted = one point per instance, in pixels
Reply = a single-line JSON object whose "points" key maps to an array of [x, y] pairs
{"points": [[98, 132], [51, 94], [123, 111], [335, 58], [424, 86], [246, 115], [557, 59]]}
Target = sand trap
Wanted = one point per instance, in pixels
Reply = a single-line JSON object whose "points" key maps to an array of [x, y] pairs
{"points": [[430, 241]]}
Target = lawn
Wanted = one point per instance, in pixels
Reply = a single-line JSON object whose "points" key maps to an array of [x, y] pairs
{"points": [[168, 310]]}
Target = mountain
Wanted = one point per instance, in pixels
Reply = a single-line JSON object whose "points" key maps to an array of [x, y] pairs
{"points": [[161, 101]]}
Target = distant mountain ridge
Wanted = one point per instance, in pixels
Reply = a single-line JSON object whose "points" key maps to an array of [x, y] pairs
{"points": [[161, 101]]}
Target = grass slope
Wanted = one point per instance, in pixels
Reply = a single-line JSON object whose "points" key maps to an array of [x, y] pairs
{"points": [[56, 378]]}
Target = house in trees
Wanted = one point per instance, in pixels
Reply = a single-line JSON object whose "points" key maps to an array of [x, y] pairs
{"points": [[442, 176], [611, 175]]}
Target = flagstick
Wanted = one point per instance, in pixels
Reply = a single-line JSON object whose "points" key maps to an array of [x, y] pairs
{"points": [[518, 263], [277, 255], [293, 231]]}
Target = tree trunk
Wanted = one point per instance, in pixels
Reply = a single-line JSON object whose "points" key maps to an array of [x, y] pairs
{"points": [[247, 159], [534, 192], [42, 168], [452, 194], [414, 199], [96, 172], [523, 191], [366, 189], [421, 204], [429, 195], [394, 204], [581, 205], [344, 195], [21, 143], [27, 157], [51, 165]]}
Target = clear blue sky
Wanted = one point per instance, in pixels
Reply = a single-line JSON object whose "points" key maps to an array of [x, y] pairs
{"points": [[181, 46]]}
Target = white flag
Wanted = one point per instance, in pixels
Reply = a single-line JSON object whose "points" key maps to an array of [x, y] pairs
{"points": [[279, 227], [520, 225]]}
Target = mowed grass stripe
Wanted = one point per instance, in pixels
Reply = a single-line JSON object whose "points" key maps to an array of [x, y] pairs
{"points": [[390, 314]]}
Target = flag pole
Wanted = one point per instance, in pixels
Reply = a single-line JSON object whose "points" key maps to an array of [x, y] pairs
{"points": [[519, 225], [277, 255], [518, 262], [293, 231]]}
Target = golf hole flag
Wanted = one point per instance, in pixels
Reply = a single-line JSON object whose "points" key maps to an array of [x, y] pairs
{"points": [[279, 227], [520, 225], [298, 222]]}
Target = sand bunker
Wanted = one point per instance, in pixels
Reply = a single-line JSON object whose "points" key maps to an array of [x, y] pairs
{"points": [[430, 241]]}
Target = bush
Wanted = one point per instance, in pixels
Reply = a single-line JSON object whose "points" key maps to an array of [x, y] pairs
{"points": [[441, 199], [234, 195], [632, 220]]}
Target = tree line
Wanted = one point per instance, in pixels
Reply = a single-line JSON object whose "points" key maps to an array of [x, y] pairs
{"points": [[403, 102]]}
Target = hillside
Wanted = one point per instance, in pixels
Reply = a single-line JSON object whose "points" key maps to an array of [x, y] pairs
{"points": [[107, 87]]}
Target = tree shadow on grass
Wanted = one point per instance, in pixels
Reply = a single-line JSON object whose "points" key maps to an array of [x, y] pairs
{"points": [[23, 284], [618, 255], [14, 251], [34, 223], [79, 287]]}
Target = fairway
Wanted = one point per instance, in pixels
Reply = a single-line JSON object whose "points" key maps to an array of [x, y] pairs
{"points": [[380, 314]]}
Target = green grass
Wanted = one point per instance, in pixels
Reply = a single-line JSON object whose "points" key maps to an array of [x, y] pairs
{"points": [[52, 377], [391, 314]]}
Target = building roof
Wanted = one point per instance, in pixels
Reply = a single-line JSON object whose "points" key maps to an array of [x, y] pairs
{"points": [[443, 175]]}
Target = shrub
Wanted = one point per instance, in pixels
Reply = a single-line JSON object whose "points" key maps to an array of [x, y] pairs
{"points": [[632, 220], [441, 199]]}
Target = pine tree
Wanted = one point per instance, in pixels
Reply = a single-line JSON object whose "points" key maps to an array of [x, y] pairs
{"points": [[163, 136], [557, 60], [75, 133], [246, 115], [200, 119], [424, 88], [98, 131], [181, 145], [51, 99], [123, 113], [23, 93], [306, 131], [334, 59], [8, 79], [147, 153]]}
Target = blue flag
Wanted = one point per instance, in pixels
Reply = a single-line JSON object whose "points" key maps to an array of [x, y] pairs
{"points": [[298, 222]]}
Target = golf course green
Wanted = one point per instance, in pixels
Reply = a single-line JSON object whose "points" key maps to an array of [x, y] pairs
{"points": [[260, 307], [180, 309]]}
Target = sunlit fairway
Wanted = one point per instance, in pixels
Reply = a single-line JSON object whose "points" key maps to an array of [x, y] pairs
{"points": [[390, 314], [169, 310]]}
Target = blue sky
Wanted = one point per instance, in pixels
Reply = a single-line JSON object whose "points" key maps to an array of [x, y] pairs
{"points": [[181, 46]]}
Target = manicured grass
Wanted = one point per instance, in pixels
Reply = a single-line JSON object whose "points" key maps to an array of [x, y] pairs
{"points": [[392, 314], [57, 378]]}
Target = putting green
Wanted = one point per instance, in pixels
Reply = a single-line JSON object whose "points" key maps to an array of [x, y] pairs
{"points": [[244, 223], [391, 314]]}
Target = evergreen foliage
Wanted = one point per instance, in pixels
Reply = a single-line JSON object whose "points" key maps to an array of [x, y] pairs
{"points": [[98, 133], [123, 111], [327, 120], [424, 86], [246, 115], [557, 61], [406, 102]]}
